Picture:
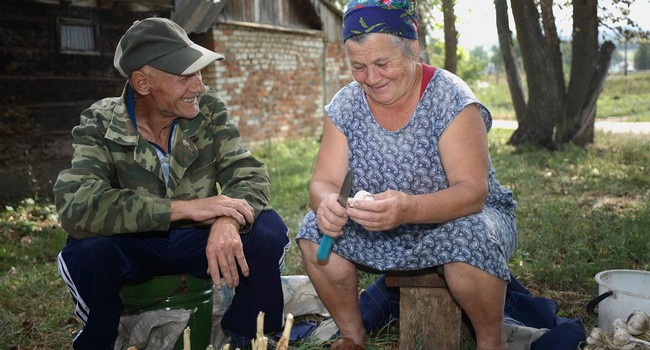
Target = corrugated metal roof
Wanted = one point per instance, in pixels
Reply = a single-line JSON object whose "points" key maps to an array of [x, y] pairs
{"points": [[145, 5], [197, 16]]}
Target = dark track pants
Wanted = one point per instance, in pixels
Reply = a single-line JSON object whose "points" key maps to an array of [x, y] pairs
{"points": [[95, 269]]}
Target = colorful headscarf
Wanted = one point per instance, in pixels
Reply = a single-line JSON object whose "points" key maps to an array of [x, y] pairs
{"points": [[395, 17]]}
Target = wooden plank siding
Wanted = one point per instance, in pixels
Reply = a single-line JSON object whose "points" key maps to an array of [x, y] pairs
{"points": [[284, 61], [297, 14], [44, 88], [331, 19]]}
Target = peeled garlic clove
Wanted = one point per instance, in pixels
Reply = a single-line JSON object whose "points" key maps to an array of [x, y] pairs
{"points": [[638, 323], [360, 196], [363, 195]]}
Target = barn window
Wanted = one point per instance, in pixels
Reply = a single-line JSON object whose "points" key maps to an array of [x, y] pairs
{"points": [[77, 36]]}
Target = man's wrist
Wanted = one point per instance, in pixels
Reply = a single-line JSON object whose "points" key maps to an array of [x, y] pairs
{"points": [[227, 220], [178, 210]]}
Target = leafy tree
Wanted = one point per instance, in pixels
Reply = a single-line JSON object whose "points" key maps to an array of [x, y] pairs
{"points": [[642, 56], [555, 112], [496, 61], [436, 52], [479, 53], [471, 64]]}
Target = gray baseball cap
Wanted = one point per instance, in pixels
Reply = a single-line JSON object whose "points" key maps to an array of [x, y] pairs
{"points": [[162, 44]]}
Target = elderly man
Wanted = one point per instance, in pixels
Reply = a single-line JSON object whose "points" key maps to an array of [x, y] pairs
{"points": [[160, 185]]}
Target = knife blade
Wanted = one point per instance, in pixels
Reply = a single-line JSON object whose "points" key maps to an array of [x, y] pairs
{"points": [[326, 242]]}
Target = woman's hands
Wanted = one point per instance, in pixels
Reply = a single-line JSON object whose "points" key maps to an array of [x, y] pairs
{"points": [[331, 216], [386, 211]]}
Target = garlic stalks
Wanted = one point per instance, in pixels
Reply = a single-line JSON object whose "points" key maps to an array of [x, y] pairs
{"points": [[260, 342], [283, 343], [187, 345]]}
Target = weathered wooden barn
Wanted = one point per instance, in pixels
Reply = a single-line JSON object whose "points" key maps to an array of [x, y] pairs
{"points": [[284, 61]]}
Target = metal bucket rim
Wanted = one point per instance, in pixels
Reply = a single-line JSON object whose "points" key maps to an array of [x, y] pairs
{"points": [[601, 282]]}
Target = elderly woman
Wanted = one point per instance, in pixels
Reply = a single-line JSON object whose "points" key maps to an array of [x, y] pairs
{"points": [[416, 137]]}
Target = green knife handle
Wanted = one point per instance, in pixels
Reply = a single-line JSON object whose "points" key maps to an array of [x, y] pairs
{"points": [[325, 248]]}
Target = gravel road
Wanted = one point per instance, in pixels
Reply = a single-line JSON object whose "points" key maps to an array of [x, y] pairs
{"points": [[606, 126]]}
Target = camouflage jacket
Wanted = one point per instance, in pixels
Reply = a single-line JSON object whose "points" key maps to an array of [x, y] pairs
{"points": [[116, 183]]}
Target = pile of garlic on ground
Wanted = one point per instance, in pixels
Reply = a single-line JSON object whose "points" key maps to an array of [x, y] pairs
{"points": [[633, 334]]}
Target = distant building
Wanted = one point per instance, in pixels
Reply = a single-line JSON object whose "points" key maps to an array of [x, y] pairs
{"points": [[284, 61], [622, 67]]}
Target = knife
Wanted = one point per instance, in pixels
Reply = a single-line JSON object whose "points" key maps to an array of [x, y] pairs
{"points": [[326, 242]]}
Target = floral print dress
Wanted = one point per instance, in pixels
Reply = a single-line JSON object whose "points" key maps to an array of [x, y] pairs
{"points": [[408, 160]]}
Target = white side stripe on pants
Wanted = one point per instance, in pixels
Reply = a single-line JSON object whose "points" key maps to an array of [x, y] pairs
{"points": [[81, 308], [284, 253]]}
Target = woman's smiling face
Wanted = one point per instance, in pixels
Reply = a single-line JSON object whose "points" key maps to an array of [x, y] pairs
{"points": [[382, 69]]}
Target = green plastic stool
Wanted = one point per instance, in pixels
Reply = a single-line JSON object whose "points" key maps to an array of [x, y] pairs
{"points": [[175, 292]]}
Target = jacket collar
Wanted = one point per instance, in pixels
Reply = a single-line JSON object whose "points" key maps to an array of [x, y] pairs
{"points": [[122, 131]]}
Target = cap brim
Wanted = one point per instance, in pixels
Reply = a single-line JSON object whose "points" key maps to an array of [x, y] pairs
{"points": [[187, 60]]}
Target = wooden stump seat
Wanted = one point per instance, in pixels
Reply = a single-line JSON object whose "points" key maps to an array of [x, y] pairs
{"points": [[430, 319]]}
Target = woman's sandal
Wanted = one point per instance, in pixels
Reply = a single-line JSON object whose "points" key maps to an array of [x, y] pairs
{"points": [[345, 344]]}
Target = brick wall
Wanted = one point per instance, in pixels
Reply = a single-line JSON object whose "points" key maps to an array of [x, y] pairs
{"points": [[275, 82], [337, 70]]}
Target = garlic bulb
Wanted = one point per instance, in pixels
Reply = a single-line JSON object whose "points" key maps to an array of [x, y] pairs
{"points": [[596, 336], [638, 323], [620, 336], [630, 346], [360, 196]]}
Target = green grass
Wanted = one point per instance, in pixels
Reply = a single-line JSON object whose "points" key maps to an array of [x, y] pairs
{"points": [[624, 97], [35, 312], [290, 164], [495, 95], [580, 211], [587, 208]]}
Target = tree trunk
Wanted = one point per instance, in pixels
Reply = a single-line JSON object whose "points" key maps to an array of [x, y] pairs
{"points": [[570, 111], [422, 34], [513, 75], [585, 135], [451, 36], [537, 124], [555, 63], [583, 72]]}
